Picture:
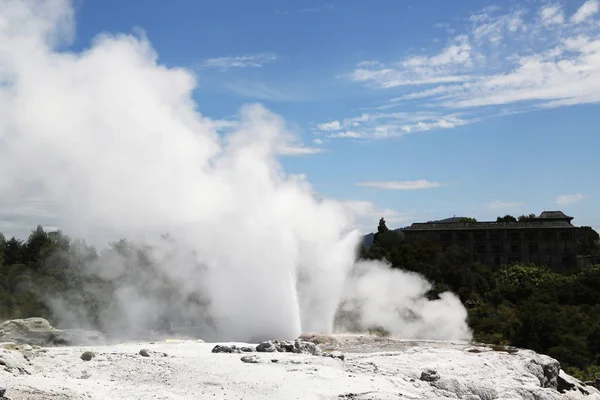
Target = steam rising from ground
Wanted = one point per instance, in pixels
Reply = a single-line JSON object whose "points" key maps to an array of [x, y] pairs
{"points": [[110, 140]]}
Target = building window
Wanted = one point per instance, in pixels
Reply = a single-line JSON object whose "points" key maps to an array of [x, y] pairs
{"points": [[565, 235], [496, 248], [515, 236], [497, 261], [479, 236], [494, 237], [515, 248], [480, 248], [530, 236], [549, 236], [567, 261], [446, 237], [532, 247], [461, 237]]}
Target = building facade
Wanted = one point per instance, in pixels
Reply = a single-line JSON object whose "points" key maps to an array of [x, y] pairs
{"points": [[549, 239]]}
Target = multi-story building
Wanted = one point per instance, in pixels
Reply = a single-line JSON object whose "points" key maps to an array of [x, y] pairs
{"points": [[549, 239]]}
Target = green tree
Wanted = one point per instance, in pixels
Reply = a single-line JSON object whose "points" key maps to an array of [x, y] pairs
{"points": [[466, 220], [588, 241], [506, 218], [523, 218]]}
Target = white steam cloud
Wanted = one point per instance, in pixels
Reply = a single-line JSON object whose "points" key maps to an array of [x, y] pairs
{"points": [[112, 141]]}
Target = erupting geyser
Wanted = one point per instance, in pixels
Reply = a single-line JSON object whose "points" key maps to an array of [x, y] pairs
{"points": [[110, 142]]}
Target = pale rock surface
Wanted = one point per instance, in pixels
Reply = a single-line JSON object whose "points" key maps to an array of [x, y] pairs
{"points": [[38, 331], [374, 368]]}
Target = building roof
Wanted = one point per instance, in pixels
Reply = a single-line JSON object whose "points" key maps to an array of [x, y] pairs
{"points": [[547, 219], [554, 215]]}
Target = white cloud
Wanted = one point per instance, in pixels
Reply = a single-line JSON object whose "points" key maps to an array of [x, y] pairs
{"points": [[330, 126], [588, 9], [345, 134], [383, 125], [552, 14], [445, 67], [529, 58], [298, 150], [401, 185], [455, 54], [245, 61], [569, 199], [500, 205], [317, 141]]}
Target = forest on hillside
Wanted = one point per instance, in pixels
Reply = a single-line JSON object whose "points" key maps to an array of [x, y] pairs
{"points": [[526, 306]]}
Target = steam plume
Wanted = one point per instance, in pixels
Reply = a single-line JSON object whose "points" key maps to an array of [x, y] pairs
{"points": [[110, 140]]}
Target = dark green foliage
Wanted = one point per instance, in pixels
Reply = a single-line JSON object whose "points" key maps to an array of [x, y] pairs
{"points": [[588, 241], [466, 219], [506, 218], [522, 305], [523, 218]]}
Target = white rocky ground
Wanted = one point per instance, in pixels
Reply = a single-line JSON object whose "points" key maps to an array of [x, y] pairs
{"points": [[373, 368]]}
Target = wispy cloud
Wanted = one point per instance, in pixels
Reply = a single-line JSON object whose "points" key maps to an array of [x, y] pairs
{"points": [[401, 185], [569, 199], [345, 134], [381, 125], [552, 14], [299, 150], [503, 205], [588, 9], [445, 67], [524, 57], [330, 126], [244, 61], [261, 91]]}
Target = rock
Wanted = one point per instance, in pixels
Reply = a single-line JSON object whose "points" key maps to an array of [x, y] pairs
{"points": [[253, 359], [231, 349], [319, 339], [429, 375], [144, 353], [335, 354], [39, 332], [595, 384], [298, 346], [566, 383], [266, 347], [302, 346], [546, 369], [88, 355]]}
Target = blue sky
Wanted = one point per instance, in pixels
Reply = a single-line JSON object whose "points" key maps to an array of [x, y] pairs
{"points": [[411, 110]]}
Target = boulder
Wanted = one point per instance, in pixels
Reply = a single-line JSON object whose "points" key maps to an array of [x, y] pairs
{"points": [[429, 375], [298, 346], [335, 354], [39, 332], [252, 359], [546, 369], [220, 348]]}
